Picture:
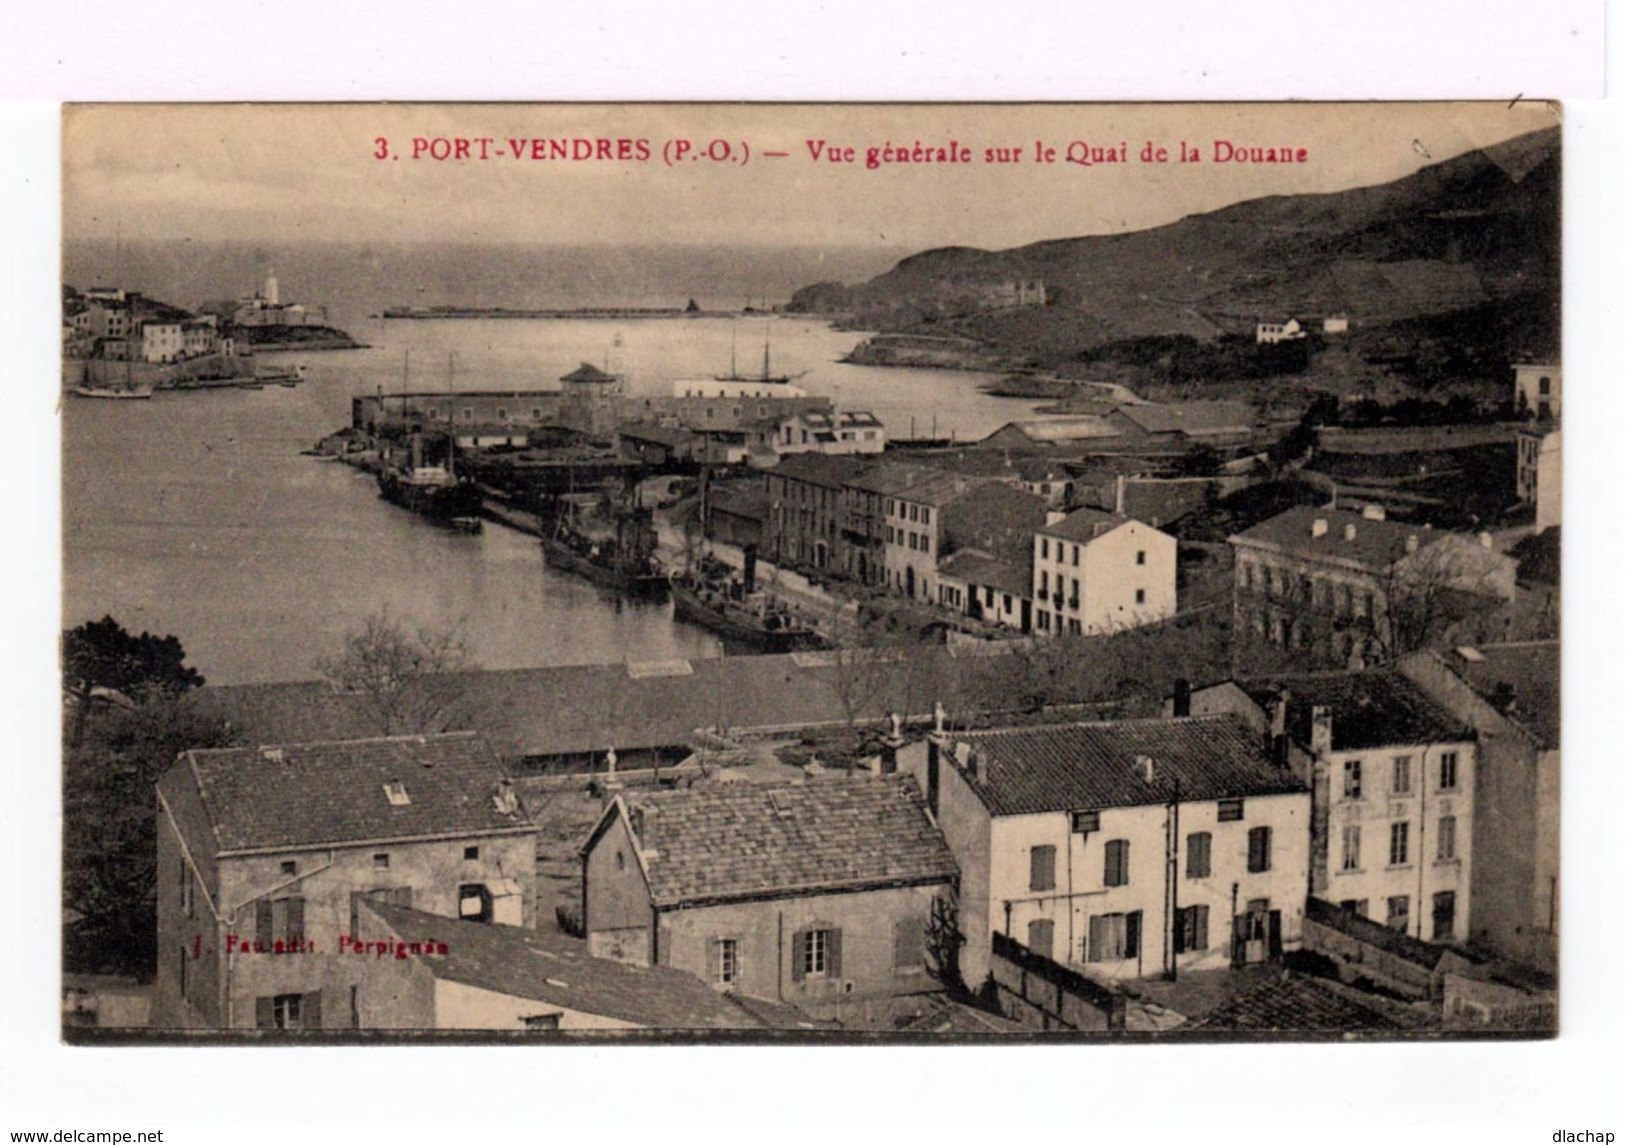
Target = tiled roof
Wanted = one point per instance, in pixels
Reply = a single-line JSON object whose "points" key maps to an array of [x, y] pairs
{"points": [[1084, 525], [1521, 680], [1191, 417], [587, 372], [1378, 708], [889, 477], [322, 794], [1093, 765], [1376, 544], [746, 841], [591, 707], [936, 488], [830, 470], [1292, 1004], [746, 499], [556, 970], [671, 436], [977, 568], [1063, 429]]}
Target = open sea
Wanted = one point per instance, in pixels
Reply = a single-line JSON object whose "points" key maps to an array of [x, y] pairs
{"points": [[195, 514]]}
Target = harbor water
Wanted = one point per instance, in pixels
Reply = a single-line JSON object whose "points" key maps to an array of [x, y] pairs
{"points": [[195, 514]]}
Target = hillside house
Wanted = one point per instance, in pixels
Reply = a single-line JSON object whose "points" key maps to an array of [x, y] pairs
{"points": [[815, 893], [265, 853], [1121, 848]]}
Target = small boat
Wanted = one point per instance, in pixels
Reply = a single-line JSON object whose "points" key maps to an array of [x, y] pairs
{"points": [[726, 607], [133, 391], [289, 376]]}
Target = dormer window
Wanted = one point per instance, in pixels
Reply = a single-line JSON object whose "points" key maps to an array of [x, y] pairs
{"points": [[395, 792]]}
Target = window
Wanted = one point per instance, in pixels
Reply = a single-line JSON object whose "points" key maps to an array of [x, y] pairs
{"points": [[1042, 869], [1117, 863], [1198, 855], [1043, 548], [1399, 911], [1139, 596], [1258, 849], [817, 954], [1190, 929], [470, 854], [1041, 937], [1139, 557], [1351, 779], [1085, 821], [1230, 810], [1447, 771], [289, 1012], [1361, 907], [290, 867], [1351, 848], [1447, 837], [474, 902], [1113, 937], [380, 861], [1444, 916], [279, 920], [1077, 551], [725, 961], [1399, 844], [541, 1021], [908, 944], [187, 904], [1402, 775]]}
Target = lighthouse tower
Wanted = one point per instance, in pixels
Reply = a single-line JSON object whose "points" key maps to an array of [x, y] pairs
{"points": [[270, 292]]}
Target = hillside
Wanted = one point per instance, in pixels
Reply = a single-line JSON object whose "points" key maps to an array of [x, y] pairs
{"points": [[1476, 233]]}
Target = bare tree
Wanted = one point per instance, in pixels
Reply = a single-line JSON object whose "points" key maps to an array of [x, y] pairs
{"points": [[1428, 596], [411, 679]]}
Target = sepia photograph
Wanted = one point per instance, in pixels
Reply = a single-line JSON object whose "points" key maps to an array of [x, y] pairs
{"points": [[810, 573]]}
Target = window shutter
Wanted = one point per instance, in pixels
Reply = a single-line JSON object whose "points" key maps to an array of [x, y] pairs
{"points": [[262, 923], [1041, 937], [1131, 942], [1199, 928], [1097, 935], [264, 1014], [798, 956], [1117, 863], [310, 1011], [834, 960], [296, 918], [1182, 922], [908, 944]]}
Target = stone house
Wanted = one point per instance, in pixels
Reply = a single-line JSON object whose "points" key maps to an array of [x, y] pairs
{"points": [[1096, 572], [265, 854], [817, 894]]}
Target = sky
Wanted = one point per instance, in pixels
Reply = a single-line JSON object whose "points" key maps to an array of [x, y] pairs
{"points": [[285, 172]]}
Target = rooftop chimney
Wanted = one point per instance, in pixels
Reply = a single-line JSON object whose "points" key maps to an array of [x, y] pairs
{"points": [[1054, 517], [1348, 531], [1486, 540], [1374, 513], [1320, 730], [1182, 697], [1318, 529], [1147, 767], [1412, 543]]}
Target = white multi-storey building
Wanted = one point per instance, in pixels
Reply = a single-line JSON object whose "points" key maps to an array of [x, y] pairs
{"points": [[1097, 572]]}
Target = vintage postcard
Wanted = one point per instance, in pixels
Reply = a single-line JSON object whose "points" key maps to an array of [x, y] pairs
{"points": [[822, 572]]}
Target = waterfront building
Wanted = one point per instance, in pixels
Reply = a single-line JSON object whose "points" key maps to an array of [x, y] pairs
{"points": [[939, 514], [264, 854], [1121, 849], [1096, 572], [807, 509], [816, 893], [850, 431]]}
